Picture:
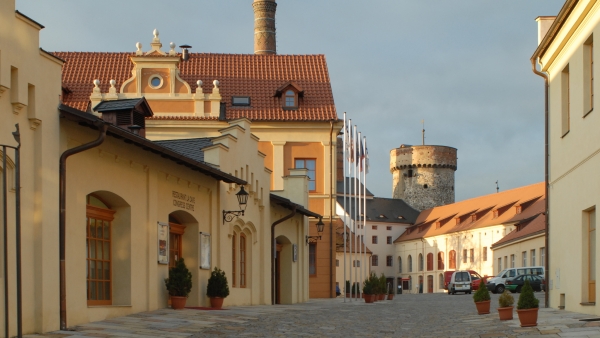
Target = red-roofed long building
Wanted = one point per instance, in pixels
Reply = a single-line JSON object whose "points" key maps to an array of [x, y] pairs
{"points": [[461, 236]]}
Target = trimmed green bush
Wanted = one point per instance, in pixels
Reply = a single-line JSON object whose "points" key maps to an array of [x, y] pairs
{"points": [[371, 284], [382, 284], [527, 299], [179, 283], [506, 299], [217, 284], [347, 289], [482, 294]]}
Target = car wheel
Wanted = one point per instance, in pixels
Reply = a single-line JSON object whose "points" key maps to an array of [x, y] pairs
{"points": [[518, 289], [499, 288]]}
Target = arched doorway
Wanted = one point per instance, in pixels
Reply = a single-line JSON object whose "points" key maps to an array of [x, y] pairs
{"points": [[283, 271], [183, 243], [430, 284]]}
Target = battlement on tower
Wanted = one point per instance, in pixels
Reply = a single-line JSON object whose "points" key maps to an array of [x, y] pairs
{"points": [[407, 156]]}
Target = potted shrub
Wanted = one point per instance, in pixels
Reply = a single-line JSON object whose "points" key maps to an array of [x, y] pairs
{"points": [[347, 289], [179, 284], [482, 300], [217, 288], [391, 293], [369, 288], [505, 303], [528, 306], [382, 287]]}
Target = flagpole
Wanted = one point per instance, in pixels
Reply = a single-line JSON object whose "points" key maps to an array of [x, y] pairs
{"points": [[350, 140], [345, 218], [354, 167], [360, 213], [365, 169]]}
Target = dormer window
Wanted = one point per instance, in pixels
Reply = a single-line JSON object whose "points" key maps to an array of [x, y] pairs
{"points": [[290, 99], [290, 93]]}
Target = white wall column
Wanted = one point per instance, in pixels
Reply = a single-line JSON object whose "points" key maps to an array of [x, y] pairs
{"points": [[278, 164]]}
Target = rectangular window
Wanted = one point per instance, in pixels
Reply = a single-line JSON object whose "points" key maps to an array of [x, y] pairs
{"points": [[512, 261], [99, 258], [591, 227], [233, 265], [375, 260], [499, 264], [337, 262], [472, 255], [532, 254], [524, 258], [312, 259], [565, 97], [242, 261], [464, 258], [389, 261], [240, 100], [389, 239], [311, 165], [543, 256], [356, 263], [389, 228], [374, 227], [374, 240], [588, 76], [485, 253], [505, 262]]}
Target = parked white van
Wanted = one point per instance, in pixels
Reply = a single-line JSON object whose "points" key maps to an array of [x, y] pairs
{"points": [[460, 282], [496, 284]]}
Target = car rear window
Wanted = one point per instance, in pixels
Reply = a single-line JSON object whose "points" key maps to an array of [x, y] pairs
{"points": [[461, 277]]}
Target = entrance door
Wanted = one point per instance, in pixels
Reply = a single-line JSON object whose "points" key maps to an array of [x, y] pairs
{"points": [[278, 275], [430, 284]]}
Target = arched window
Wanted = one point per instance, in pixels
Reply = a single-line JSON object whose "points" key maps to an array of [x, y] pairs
{"points": [[421, 262], [399, 264], [290, 99], [242, 260], [233, 265], [409, 263], [452, 259], [440, 260], [430, 262]]}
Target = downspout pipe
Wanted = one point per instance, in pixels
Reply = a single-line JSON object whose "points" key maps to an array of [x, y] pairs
{"points": [[546, 176], [103, 127], [274, 250]]}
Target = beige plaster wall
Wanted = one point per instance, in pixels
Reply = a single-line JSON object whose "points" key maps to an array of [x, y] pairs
{"points": [[517, 248]]}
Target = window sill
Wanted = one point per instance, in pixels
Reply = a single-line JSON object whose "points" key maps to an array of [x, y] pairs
{"points": [[588, 113], [588, 304], [290, 108], [565, 134], [106, 306]]}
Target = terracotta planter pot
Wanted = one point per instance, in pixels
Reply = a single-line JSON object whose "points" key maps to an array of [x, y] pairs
{"points": [[178, 303], [381, 297], [528, 317], [505, 313], [347, 295], [216, 302], [483, 308], [391, 296], [369, 298]]}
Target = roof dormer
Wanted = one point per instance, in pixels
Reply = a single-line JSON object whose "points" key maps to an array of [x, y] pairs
{"points": [[290, 94]]}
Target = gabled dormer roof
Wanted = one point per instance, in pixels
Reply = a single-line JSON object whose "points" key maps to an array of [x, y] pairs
{"points": [[287, 85]]}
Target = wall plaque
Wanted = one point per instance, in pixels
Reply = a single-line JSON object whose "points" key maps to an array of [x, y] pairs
{"points": [[163, 243], [204, 259]]}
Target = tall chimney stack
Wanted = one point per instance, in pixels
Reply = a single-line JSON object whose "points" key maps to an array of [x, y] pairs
{"points": [[264, 26]]}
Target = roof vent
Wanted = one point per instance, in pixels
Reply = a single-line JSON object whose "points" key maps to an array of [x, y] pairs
{"points": [[129, 114]]}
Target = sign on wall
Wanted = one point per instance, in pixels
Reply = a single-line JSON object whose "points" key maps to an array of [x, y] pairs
{"points": [[204, 258], [163, 243], [295, 252]]}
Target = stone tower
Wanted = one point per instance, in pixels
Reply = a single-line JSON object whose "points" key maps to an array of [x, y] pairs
{"points": [[264, 26], [423, 176]]}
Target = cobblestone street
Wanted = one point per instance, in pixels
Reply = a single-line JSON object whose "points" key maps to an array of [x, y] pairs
{"points": [[420, 315]]}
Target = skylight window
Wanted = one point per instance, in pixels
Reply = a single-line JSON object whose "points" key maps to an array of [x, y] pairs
{"points": [[240, 100]]}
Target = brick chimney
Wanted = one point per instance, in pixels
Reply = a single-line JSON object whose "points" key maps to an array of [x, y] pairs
{"points": [[264, 27]]}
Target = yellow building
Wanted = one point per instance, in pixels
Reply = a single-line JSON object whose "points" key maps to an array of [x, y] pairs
{"points": [[565, 58], [459, 236], [132, 206]]}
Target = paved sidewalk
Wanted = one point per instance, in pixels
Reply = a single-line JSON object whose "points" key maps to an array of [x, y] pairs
{"points": [[424, 315]]}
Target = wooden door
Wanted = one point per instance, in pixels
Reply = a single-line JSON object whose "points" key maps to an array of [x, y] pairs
{"points": [[278, 275], [430, 284]]}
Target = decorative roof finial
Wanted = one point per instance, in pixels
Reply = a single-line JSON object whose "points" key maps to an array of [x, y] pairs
{"points": [[96, 86], [216, 83], [199, 89], [156, 45], [172, 52], [139, 49], [155, 32]]}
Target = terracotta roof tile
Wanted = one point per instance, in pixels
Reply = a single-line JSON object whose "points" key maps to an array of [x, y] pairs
{"points": [[531, 227], [483, 207], [257, 76]]}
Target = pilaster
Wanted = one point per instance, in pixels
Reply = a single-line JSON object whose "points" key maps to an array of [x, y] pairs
{"points": [[278, 163]]}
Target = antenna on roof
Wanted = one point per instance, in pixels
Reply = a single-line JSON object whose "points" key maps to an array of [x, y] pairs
{"points": [[497, 188], [423, 122]]}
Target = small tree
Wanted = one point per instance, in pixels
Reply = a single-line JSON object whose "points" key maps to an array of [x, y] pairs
{"points": [[347, 289], [179, 283], [482, 294], [382, 284], [217, 284], [527, 299], [506, 299]]}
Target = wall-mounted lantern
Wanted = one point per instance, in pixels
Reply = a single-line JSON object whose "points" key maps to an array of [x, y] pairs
{"points": [[320, 227], [242, 197]]}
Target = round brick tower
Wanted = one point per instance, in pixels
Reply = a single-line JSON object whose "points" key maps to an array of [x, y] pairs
{"points": [[264, 26], [423, 176]]}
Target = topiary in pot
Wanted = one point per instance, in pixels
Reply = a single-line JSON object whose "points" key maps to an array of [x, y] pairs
{"points": [[382, 287], [528, 306], [482, 300], [179, 284], [347, 289], [505, 309], [217, 288]]}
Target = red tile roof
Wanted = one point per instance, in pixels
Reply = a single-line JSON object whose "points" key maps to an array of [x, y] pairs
{"points": [[530, 197], [531, 227], [257, 76]]}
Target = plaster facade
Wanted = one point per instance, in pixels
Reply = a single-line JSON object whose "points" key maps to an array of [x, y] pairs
{"points": [[423, 176]]}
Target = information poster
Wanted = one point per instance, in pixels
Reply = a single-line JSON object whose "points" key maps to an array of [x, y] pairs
{"points": [[163, 243], [295, 252], [204, 250]]}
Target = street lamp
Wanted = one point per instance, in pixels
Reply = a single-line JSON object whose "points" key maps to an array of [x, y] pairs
{"points": [[320, 227], [242, 197]]}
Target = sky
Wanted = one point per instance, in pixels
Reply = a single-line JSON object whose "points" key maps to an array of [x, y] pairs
{"points": [[461, 66]]}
